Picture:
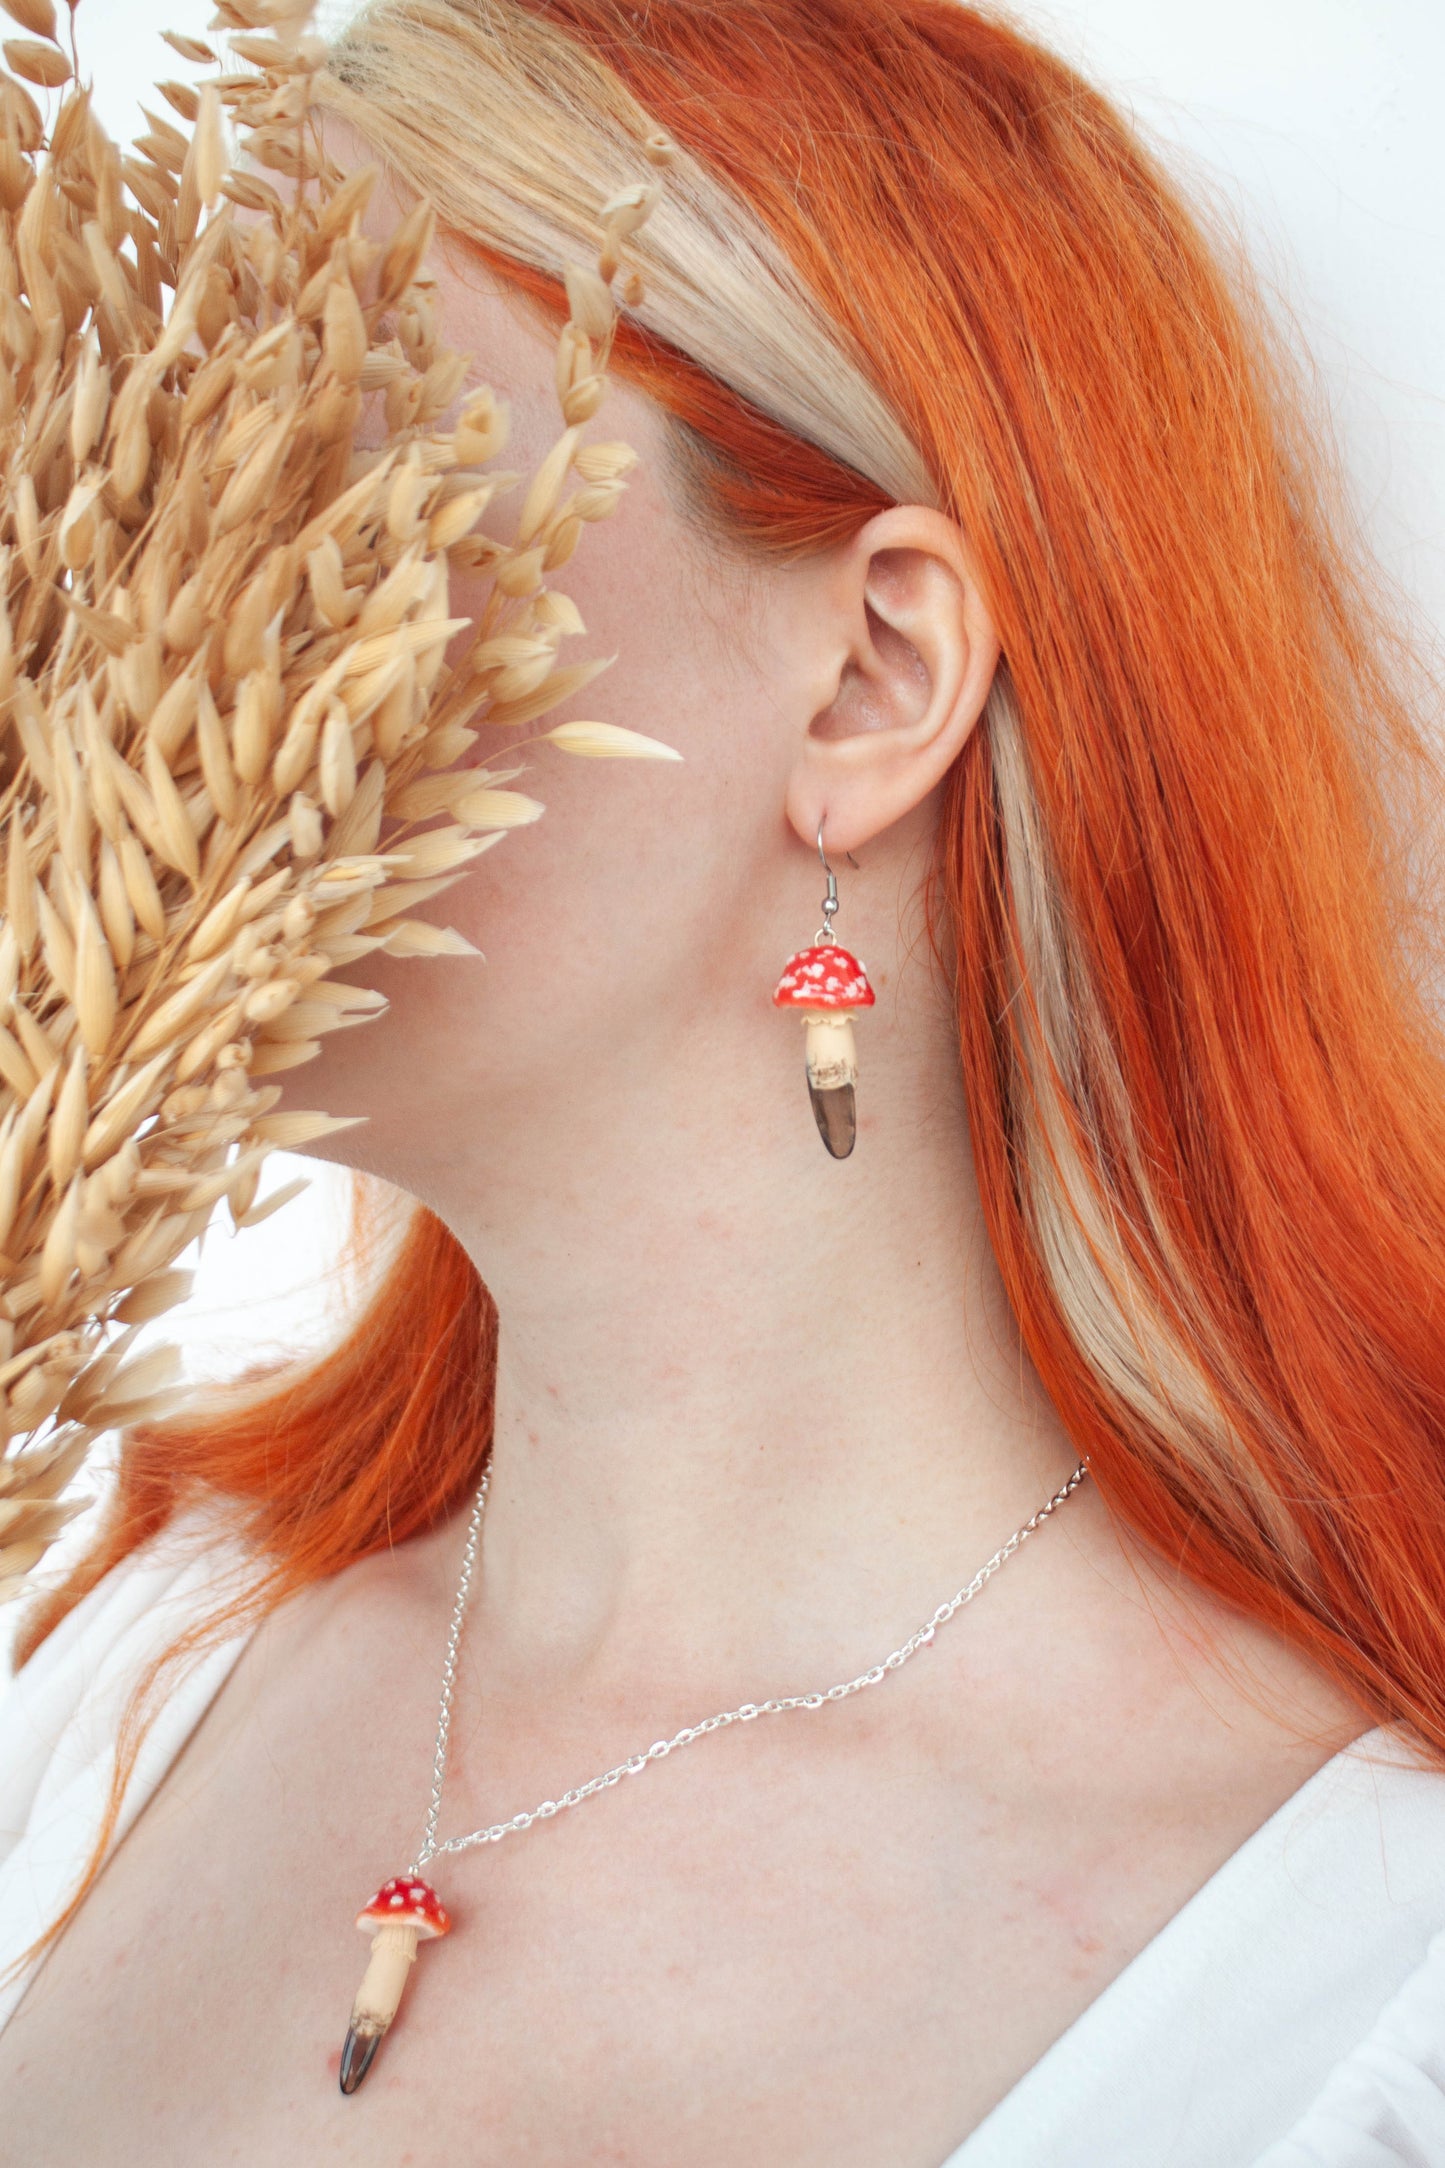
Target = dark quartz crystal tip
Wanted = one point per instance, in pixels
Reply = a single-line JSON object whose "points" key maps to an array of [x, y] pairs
{"points": [[356, 2057], [835, 1116]]}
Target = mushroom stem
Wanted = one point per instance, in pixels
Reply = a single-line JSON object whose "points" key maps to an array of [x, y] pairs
{"points": [[393, 1952], [828, 1049]]}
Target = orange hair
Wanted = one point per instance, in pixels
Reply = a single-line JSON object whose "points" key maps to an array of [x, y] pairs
{"points": [[1188, 950]]}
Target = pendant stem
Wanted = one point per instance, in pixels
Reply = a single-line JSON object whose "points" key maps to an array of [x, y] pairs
{"points": [[393, 1953]]}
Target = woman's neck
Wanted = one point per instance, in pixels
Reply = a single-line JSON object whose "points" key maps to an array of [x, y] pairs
{"points": [[758, 1411]]}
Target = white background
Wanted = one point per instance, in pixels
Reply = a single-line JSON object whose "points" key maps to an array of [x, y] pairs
{"points": [[1318, 120]]}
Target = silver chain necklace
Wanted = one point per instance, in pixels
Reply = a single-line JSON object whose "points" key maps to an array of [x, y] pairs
{"points": [[406, 1909]]}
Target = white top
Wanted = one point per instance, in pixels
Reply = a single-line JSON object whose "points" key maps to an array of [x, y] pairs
{"points": [[1290, 2015]]}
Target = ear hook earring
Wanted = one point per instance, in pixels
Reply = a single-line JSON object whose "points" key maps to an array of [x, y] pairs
{"points": [[827, 984]]}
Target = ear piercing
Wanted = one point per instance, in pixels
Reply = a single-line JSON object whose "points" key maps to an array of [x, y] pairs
{"points": [[827, 984]]}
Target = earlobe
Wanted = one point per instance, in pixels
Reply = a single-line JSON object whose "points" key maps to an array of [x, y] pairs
{"points": [[907, 651]]}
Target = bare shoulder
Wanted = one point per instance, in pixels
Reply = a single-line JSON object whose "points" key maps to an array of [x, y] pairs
{"points": [[1151, 1683]]}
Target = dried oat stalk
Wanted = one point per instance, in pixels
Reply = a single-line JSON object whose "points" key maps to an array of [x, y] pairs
{"points": [[232, 740]]}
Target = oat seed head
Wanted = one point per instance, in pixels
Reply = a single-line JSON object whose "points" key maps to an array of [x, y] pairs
{"points": [[230, 728]]}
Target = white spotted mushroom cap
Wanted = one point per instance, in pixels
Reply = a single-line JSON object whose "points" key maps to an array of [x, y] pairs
{"points": [[406, 1901], [825, 976]]}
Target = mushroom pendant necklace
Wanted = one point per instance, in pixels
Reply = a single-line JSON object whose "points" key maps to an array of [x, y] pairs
{"points": [[826, 983], [406, 1910], [403, 1912]]}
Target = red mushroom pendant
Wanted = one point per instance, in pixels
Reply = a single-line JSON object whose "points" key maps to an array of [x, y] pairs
{"points": [[403, 1912], [828, 984]]}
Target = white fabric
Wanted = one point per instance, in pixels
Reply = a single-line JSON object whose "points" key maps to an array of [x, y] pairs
{"points": [[60, 1714], [1290, 2015]]}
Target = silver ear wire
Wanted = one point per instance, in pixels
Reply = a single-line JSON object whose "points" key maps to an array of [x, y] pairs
{"points": [[830, 901]]}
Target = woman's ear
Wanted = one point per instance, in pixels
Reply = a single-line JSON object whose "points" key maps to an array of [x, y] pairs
{"points": [[905, 654]]}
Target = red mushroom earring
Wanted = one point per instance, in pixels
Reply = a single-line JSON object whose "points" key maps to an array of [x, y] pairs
{"points": [[827, 984]]}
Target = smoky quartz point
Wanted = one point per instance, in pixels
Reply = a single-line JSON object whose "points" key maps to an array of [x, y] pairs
{"points": [[356, 2057], [835, 1112]]}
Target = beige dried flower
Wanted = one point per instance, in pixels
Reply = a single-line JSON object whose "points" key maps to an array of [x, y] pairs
{"points": [[228, 721]]}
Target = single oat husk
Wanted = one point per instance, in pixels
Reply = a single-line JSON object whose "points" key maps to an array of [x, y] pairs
{"points": [[235, 710]]}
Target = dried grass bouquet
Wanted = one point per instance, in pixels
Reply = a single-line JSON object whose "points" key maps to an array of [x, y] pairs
{"points": [[232, 716]]}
